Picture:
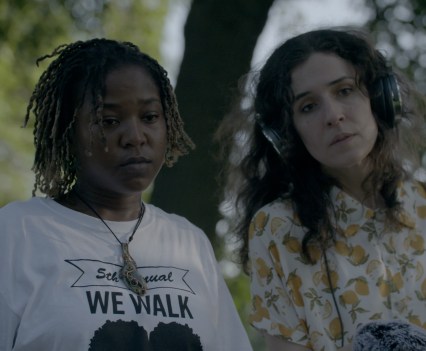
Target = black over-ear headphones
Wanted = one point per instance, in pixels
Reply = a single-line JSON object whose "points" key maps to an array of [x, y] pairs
{"points": [[386, 103]]}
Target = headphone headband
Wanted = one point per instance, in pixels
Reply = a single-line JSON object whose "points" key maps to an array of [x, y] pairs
{"points": [[386, 103]]}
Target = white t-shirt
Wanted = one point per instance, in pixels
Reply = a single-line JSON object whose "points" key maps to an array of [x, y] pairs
{"points": [[59, 285]]}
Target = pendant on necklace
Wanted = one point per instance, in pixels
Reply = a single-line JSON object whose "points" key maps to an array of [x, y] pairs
{"points": [[129, 273]]}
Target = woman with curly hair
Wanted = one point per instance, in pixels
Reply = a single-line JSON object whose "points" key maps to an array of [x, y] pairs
{"points": [[329, 213], [91, 256]]}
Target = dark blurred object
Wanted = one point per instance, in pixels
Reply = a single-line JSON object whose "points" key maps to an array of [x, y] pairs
{"points": [[389, 335]]}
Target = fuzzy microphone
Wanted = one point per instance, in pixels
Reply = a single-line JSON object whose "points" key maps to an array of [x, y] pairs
{"points": [[389, 335]]}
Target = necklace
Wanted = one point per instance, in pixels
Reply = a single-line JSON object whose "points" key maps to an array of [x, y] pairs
{"points": [[129, 272]]}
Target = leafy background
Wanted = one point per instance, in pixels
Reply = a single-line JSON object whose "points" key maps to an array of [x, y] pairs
{"points": [[210, 45]]}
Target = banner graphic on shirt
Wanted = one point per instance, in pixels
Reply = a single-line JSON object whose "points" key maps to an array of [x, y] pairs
{"points": [[99, 273]]}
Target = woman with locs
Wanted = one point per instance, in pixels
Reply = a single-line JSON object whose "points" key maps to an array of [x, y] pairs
{"points": [[329, 210], [90, 266]]}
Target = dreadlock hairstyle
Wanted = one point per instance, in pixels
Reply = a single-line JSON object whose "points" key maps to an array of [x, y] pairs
{"points": [[261, 175], [78, 71]]}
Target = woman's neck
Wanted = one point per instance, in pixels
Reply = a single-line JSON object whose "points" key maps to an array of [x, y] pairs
{"points": [[108, 206], [369, 198], [354, 181]]}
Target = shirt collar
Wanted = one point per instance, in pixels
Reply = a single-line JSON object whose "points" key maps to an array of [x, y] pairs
{"points": [[350, 214]]}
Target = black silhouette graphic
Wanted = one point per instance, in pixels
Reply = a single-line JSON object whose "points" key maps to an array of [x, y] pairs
{"points": [[174, 337], [129, 336], [120, 336]]}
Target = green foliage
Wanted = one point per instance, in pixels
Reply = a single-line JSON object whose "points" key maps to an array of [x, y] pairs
{"points": [[398, 28], [31, 29], [239, 287]]}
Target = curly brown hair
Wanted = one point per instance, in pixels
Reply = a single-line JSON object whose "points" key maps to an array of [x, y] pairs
{"points": [[261, 175]]}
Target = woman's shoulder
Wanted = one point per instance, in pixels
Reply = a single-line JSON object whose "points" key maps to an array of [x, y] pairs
{"points": [[39, 209], [414, 190], [16, 216], [176, 227], [163, 219], [23, 206], [279, 207], [273, 217]]}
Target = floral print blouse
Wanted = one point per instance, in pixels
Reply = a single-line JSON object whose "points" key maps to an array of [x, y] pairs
{"points": [[377, 271]]}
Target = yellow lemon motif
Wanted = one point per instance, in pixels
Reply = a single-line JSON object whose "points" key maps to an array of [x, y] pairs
{"points": [[398, 281], [327, 310], [407, 220], [423, 288], [341, 195], [302, 326], [314, 252], [316, 278], [276, 223], [419, 271], [349, 298], [369, 213], [286, 332], [292, 244], [361, 287], [376, 316], [417, 243], [294, 281], [421, 190], [413, 319], [342, 248], [334, 277], [296, 219], [273, 250], [421, 211], [260, 312], [251, 230], [297, 298], [260, 221], [358, 255], [351, 230], [262, 268], [384, 289], [335, 329]]}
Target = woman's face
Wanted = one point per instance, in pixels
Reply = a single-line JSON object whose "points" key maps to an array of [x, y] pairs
{"points": [[135, 130], [331, 114]]}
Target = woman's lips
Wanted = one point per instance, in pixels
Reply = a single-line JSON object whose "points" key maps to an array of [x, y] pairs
{"points": [[341, 137], [135, 161]]}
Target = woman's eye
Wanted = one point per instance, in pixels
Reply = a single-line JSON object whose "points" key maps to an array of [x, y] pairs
{"points": [[150, 118], [307, 107], [345, 91], [110, 121]]}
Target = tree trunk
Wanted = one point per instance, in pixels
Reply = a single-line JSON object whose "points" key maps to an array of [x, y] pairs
{"points": [[219, 40]]}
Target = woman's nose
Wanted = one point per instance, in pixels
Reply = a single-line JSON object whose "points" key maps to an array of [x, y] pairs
{"points": [[133, 133], [333, 111]]}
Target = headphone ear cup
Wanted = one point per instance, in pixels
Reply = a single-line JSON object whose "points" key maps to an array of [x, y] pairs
{"points": [[386, 101]]}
